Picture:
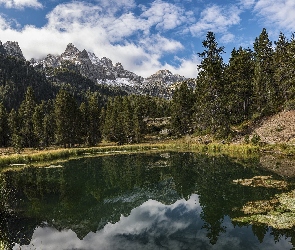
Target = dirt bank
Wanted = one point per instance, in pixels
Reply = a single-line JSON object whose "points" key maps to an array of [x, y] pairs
{"points": [[279, 128]]}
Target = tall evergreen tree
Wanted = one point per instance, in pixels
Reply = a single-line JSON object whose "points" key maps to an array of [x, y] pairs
{"points": [[239, 76], [43, 123], [4, 128], [182, 110], [67, 119], [211, 112], [26, 112], [285, 69], [16, 140], [265, 89], [127, 119], [94, 128]]}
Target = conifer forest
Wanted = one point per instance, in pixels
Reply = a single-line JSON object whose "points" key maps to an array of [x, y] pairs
{"points": [[60, 107]]}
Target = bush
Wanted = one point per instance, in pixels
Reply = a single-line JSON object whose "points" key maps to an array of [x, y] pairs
{"points": [[255, 139], [247, 139], [290, 105]]}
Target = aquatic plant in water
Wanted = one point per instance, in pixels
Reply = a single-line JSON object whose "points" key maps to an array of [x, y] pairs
{"points": [[278, 212]]}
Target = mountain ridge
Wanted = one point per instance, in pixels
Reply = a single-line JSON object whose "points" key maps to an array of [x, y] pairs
{"points": [[102, 70]]}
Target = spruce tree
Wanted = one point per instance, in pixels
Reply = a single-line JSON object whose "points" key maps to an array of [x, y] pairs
{"points": [[94, 112], [16, 140], [265, 88], [127, 119], [4, 128], [211, 112], [239, 76], [284, 62], [26, 112], [182, 110], [67, 119], [44, 124]]}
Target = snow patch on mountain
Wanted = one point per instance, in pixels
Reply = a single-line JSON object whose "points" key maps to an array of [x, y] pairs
{"points": [[101, 70]]}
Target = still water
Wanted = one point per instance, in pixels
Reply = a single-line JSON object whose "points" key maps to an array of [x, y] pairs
{"points": [[142, 201]]}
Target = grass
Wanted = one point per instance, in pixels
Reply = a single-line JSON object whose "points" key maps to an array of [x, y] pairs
{"points": [[33, 157]]}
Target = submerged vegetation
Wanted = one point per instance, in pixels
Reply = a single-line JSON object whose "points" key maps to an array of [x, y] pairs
{"points": [[278, 212]]}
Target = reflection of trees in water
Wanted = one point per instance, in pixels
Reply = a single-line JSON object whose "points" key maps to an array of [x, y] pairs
{"points": [[212, 179], [86, 194]]}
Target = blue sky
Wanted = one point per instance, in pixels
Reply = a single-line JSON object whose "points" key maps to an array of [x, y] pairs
{"points": [[144, 36]]}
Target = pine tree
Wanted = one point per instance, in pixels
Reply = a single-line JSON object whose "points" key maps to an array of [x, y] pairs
{"points": [[211, 112], [4, 128], [109, 121], [284, 62], [113, 129], [265, 89], [239, 76], [16, 140], [43, 123], [127, 119], [182, 110], [84, 121], [67, 119], [94, 128], [26, 112]]}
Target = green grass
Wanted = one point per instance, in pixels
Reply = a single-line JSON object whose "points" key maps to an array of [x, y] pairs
{"points": [[47, 156]]}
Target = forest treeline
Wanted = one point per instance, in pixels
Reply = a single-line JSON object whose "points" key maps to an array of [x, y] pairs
{"points": [[253, 84], [45, 107]]}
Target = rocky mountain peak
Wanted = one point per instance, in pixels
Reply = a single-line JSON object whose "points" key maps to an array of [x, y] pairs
{"points": [[71, 51], [106, 62], [163, 72], [103, 71], [166, 76], [83, 55], [13, 49]]}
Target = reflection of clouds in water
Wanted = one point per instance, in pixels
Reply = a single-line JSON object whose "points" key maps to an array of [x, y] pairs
{"points": [[154, 225]]}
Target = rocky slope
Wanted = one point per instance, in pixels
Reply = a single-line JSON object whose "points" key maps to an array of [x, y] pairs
{"points": [[11, 49], [279, 128]]}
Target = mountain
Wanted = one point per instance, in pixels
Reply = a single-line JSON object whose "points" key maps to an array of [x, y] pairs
{"points": [[11, 49], [17, 74], [102, 71]]}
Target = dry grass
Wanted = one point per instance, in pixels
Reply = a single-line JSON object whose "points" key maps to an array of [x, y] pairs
{"points": [[31, 156]]}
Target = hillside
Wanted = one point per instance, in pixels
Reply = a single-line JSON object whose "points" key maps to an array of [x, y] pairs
{"points": [[279, 128]]}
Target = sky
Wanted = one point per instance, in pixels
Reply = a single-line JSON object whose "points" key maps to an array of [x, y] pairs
{"points": [[145, 36]]}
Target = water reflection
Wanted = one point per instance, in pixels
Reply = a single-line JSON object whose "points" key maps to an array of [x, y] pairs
{"points": [[156, 201], [154, 225]]}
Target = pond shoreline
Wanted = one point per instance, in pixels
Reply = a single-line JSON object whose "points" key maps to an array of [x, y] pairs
{"points": [[31, 156]]}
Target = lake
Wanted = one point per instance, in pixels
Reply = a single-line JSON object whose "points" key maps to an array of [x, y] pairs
{"points": [[147, 201]]}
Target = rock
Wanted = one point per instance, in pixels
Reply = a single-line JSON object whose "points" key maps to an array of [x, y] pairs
{"points": [[13, 49], [102, 71]]}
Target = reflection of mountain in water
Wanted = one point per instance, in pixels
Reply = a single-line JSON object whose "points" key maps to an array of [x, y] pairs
{"points": [[154, 225], [87, 194]]}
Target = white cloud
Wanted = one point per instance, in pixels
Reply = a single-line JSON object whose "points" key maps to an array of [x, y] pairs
{"points": [[158, 44], [66, 15], [247, 4], [113, 6], [106, 34], [19, 4], [278, 12], [124, 26], [4, 24], [151, 220], [227, 38], [187, 67], [217, 19], [176, 226], [165, 16]]}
